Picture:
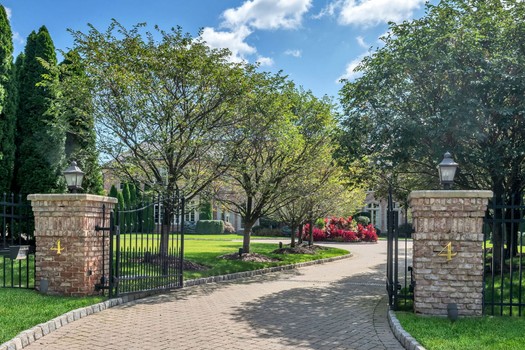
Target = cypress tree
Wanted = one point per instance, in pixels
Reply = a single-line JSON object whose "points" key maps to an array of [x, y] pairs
{"points": [[40, 133], [78, 112], [132, 195], [126, 196], [121, 202], [113, 192], [7, 103]]}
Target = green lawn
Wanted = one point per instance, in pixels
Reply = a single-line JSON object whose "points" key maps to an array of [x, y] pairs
{"points": [[22, 309], [483, 333]]}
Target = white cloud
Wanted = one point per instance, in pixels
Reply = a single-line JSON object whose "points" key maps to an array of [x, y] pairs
{"points": [[373, 12], [254, 14], [370, 12], [361, 42], [267, 14], [265, 61], [330, 9], [294, 53], [349, 73], [232, 40], [17, 38], [8, 12]]}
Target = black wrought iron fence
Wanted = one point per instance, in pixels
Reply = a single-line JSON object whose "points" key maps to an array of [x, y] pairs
{"points": [[17, 244], [503, 255]]}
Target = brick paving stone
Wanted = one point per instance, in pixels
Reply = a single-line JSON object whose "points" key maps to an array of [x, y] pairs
{"points": [[337, 305]]}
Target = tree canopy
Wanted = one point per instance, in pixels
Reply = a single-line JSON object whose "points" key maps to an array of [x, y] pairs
{"points": [[164, 108], [454, 81]]}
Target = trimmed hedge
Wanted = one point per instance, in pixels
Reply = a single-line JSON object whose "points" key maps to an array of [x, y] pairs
{"points": [[210, 227]]}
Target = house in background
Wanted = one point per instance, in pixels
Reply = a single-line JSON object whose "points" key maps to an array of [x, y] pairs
{"points": [[192, 207], [378, 207]]}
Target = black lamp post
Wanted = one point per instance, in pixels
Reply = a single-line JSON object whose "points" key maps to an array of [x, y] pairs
{"points": [[74, 177], [447, 170]]}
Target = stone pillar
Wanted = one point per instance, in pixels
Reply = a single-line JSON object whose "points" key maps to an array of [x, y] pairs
{"points": [[69, 252], [447, 250]]}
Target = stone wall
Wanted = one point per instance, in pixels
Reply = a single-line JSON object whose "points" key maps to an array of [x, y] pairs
{"points": [[447, 250], [69, 252]]}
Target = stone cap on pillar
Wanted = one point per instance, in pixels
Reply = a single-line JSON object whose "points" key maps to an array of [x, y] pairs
{"points": [[69, 201], [451, 194]]}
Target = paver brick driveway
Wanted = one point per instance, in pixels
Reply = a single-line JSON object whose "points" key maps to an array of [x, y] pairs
{"points": [[337, 305]]}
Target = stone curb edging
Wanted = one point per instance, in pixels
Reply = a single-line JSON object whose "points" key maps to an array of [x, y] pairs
{"points": [[31, 335], [404, 338]]}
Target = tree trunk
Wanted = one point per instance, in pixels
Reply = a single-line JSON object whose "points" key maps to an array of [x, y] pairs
{"points": [[246, 237], [300, 234], [294, 232], [311, 232]]}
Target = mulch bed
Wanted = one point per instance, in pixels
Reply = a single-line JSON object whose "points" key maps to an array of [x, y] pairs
{"points": [[252, 257], [299, 249]]}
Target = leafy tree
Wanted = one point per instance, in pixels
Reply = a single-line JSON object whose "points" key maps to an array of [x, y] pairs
{"points": [[77, 109], [452, 80], [164, 108], [7, 103], [40, 136], [280, 139]]}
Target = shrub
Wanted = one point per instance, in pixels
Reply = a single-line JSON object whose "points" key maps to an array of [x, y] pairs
{"points": [[343, 230], [211, 227], [363, 220], [228, 227], [266, 231], [319, 223]]}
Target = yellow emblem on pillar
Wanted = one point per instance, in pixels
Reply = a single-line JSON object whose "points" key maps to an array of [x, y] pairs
{"points": [[447, 252], [58, 248]]}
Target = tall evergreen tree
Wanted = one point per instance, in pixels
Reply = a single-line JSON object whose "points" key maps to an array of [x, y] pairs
{"points": [[40, 133], [113, 192], [77, 110], [7, 103]]}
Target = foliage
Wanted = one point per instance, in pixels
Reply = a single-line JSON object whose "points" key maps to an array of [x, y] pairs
{"points": [[75, 107], [8, 96], [164, 108], [126, 196], [228, 228], [451, 80], [113, 192], [40, 134], [210, 227], [284, 129], [205, 210], [267, 231], [343, 230]]}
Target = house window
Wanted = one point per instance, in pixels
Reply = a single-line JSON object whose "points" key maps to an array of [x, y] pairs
{"points": [[375, 213], [190, 214]]}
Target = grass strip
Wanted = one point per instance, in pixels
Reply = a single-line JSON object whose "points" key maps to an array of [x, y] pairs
{"points": [[21, 309], [477, 333]]}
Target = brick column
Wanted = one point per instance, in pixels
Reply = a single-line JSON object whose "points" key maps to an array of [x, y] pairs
{"points": [[69, 259], [447, 251]]}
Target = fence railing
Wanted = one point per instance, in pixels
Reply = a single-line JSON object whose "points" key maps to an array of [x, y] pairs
{"points": [[17, 245], [504, 248]]}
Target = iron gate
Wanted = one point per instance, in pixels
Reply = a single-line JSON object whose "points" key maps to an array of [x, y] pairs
{"points": [[146, 247], [503, 248], [17, 244], [399, 279]]}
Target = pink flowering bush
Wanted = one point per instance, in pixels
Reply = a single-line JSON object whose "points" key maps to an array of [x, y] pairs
{"points": [[342, 230]]}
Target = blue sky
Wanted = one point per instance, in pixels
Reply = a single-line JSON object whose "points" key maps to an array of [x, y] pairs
{"points": [[314, 42]]}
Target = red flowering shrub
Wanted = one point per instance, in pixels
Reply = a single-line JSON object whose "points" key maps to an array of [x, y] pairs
{"points": [[342, 230]]}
